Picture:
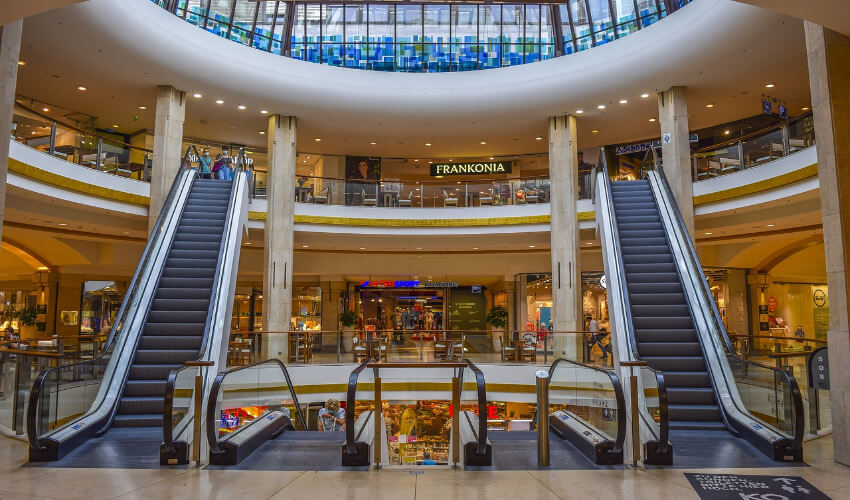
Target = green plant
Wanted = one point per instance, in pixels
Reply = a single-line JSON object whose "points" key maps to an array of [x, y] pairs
{"points": [[348, 318], [497, 317], [27, 316]]}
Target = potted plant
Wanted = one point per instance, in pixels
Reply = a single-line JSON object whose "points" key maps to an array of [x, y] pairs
{"points": [[497, 318], [348, 320], [26, 320]]}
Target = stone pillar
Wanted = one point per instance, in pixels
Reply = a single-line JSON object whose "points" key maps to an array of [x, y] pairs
{"points": [[279, 235], [829, 78], [676, 150], [10, 45], [566, 274], [167, 146], [331, 293]]}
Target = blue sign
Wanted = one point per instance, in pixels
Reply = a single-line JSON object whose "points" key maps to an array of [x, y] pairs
{"points": [[766, 108]]}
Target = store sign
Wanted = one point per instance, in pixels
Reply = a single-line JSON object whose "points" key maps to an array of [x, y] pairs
{"points": [[472, 168], [408, 284], [644, 146], [819, 369], [234, 160]]}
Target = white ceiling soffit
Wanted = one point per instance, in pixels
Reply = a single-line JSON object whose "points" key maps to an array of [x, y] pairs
{"points": [[18, 9], [834, 14], [723, 51]]}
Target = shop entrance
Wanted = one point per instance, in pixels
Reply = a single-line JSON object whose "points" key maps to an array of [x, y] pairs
{"points": [[411, 320]]}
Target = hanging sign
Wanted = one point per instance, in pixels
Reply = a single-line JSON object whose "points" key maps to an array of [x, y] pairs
{"points": [[819, 369], [471, 168]]}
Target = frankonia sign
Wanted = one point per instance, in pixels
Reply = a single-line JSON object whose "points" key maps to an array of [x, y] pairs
{"points": [[472, 168]]}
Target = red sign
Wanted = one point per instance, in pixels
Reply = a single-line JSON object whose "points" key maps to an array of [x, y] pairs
{"points": [[771, 304]]}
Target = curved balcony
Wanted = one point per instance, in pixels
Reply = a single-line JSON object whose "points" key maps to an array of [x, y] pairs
{"points": [[430, 38]]}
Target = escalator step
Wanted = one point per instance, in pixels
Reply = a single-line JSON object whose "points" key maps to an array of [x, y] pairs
{"points": [[640, 288], [177, 317], [669, 349], [152, 420], [655, 310], [676, 363], [663, 323], [153, 372], [203, 214], [184, 272], [685, 425], [164, 356], [205, 229], [174, 329], [197, 237], [639, 226], [141, 405], [699, 413], [193, 254], [686, 379], [666, 335], [195, 245], [183, 293], [669, 277], [181, 305], [691, 396], [658, 258], [648, 267], [644, 241], [216, 222], [646, 250], [648, 212], [178, 283], [187, 342], [657, 298], [144, 388]]}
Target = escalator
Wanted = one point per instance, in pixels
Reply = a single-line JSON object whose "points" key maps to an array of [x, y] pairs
{"points": [[175, 311], [663, 314]]}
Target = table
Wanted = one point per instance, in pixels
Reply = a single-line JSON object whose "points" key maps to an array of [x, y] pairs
{"points": [[303, 193], [518, 345]]}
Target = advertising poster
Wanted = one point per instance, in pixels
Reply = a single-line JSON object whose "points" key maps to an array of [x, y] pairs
{"points": [[361, 172]]}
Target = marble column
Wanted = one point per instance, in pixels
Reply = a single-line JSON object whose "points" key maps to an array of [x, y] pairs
{"points": [[10, 45], [829, 78], [167, 146], [676, 150], [279, 235], [566, 273]]}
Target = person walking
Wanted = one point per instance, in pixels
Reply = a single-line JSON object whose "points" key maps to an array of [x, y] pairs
{"points": [[225, 171], [205, 165], [331, 417]]}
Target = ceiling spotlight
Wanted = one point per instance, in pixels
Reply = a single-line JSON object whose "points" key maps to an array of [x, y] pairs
{"points": [[373, 143], [709, 105], [115, 126], [219, 101], [727, 132], [594, 131], [264, 112], [247, 242], [492, 157], [308, 157], [579, 111], [806, 108], [652, 119], [427, 143], [708, 233], [197, 95], [589, 243], [362, 248], [530, 246], [417, 161], [318, 139], [305, 246], [241, 106], [475, 248], [770, 225], [538, 138], [623, 101], [483, 142], [81, 88], [46, 110], [601, 106], [61, 224], [143, 107], [262, 132], [644, 95], [770, 85], [22, 63], [419, 248]]}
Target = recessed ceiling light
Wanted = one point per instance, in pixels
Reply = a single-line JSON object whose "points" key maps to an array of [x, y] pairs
{"points": [[247, 242], [538, 138], [419, 248], [601, 106], [81, 88], [22, 63], [308, 157], [318, 139], [652, 119], [806, 108], [373, 143], [304, 161], [32, 133], [125, 232], [770, 85], [530, 246], [241, 106], [46, 110], [264, 112], [579, 111], [427, 143], [417, 161], [483, 142], [624, 101], [644, 95], [362, 248], [708, 232], [727, 132], [61, 224], [219, 101], [709, 105], [595, 131], [262, 132], [491, 158], [197, 95], [770, 225], [115, 126], [143, 107], [475, 248], [305, 246]]}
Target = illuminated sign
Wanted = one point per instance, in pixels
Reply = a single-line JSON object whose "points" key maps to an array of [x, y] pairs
{"points": [[408, 284], [472, 168]]}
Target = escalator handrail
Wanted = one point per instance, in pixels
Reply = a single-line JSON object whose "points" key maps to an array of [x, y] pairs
{"points": [[796, 395], [212, 418], [664, 420], [481, 388], [350, 397], [618, 392], [168, 416], [38, 383]]}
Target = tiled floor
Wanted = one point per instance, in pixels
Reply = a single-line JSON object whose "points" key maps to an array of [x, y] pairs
{"points": [[17, 481]]}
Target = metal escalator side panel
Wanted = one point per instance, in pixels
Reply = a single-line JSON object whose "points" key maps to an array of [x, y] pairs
{"points": [[709, 330], [60, 441]]}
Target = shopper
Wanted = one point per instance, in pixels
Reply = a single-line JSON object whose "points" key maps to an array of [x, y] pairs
{"points": [[225, 170], [205, 164], [597, 338], [426, 459], [331, 417]]}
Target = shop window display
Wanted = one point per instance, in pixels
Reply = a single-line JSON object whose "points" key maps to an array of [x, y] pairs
{"points": [[12, 304], [307, 308], [101, 301]]}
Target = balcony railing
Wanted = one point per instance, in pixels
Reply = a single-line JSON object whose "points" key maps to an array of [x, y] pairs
{"points": [[754, 149]]}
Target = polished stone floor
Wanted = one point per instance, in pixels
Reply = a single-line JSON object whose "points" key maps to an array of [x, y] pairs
{"points": [[19, 481]]}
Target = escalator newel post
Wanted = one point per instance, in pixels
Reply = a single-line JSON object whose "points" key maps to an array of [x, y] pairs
{"points": [[456, 419], [633, 395], [543, 418], [196, 413]]}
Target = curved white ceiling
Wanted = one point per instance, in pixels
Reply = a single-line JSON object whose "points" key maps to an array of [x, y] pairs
{"points": [[121, 49]]}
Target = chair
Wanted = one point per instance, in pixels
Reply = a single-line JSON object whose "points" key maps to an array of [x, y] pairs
{"points": [[507, 351], [360, 351], [486, 198], [244, 352], [449, 201], [368, 201], [531, 195], [322, 197], [406, 202], [529, 352]]}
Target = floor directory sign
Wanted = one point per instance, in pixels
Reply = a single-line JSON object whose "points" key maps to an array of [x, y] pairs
{"points": [[746, 487]]}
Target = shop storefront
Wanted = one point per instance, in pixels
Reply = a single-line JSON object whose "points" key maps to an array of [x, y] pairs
{"points": [[100, 303]]}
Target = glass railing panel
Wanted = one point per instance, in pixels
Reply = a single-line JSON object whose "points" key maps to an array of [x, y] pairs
{"points": [[763, 148], [649, 397], [588, 394], [801, 133], [765, 393], [724, 160], [183, 395]]}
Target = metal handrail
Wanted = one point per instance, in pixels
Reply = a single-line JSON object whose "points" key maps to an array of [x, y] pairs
{"points": [[618, 392], [753, 135], [481, 386], [350, 446], [483, 180], [796, 395], [212, 436], [168, 423], [38, 383]]}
